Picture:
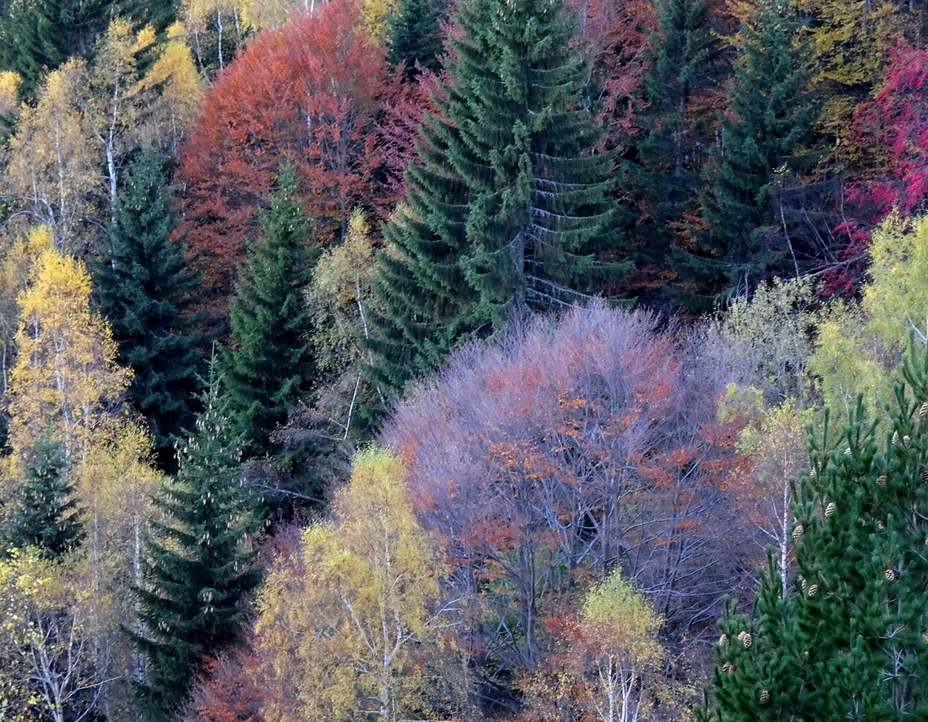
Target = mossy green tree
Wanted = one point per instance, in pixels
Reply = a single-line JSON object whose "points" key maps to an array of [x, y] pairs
{"points": [[145, 291], [43, 513], [268, 365], [507, 204], [199, 566]]}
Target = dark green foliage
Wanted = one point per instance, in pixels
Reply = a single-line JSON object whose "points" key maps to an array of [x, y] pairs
{"points": [[414, 36], [199, 560], [43, 512], [848, 642], [764, 138], [269, 366], [664, 177], [37, 36], [145, 292], [507, 206]]}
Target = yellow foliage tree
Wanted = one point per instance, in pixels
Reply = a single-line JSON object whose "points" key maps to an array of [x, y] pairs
{"points": [[44, 639], [175, 107], [20, 253], [860, 345], [66, 382], [339, 637], [114, 102], [66, 377], [621, 630], [53, 169]]}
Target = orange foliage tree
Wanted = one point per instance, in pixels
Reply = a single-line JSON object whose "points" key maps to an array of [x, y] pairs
{"points": [[306, 92]]}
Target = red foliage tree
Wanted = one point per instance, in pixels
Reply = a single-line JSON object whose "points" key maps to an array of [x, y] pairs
{"points": [[575, 446], [404, 102], [306, 92], [229, 690], [615, 37], [894, 125]]}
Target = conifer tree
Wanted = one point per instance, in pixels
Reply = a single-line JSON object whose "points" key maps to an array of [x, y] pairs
{"points": [[199, 567], [145, 291], [43, 513], [268, 366], [848, 640], [763, 139], [665, 175], [414, 36], [507, 205]]}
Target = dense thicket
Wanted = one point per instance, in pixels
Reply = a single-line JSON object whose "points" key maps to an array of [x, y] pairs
{"points": [[401, 216]]}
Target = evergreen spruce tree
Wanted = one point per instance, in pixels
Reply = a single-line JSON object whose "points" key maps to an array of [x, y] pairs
{"points": [[268, 366], [145, 292], [414, 36], [507, 204], [764, 138], [199, 561], [665, 175], [848, 642], [43, 512]]}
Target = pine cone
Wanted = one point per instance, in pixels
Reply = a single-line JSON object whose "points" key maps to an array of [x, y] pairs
{"points": [[830, 509], [895, 438], [847, 451], [723, 640], [745, 639], [881, 480], [925, 474], [813, 590], [890, 575], [923, 410], [764, 696], [798, 532], [728, 668]]}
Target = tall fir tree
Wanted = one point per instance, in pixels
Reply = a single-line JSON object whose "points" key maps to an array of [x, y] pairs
{"points": [[507, 204], [765, 137], [663, 177], [199, 566], [43, 513], [414, 36], [268, 365], [848, 640], [145, 291]]}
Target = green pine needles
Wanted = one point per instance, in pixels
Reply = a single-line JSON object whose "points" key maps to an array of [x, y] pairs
{"points": [[268, 366], [43, 513], [199, 560], [145, 291], [847, 640], [508, 205]]}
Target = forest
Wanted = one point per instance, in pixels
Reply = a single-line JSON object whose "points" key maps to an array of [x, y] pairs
{"points": [[463, 360]]}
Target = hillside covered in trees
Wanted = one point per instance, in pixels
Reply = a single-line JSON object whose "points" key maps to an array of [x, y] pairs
{"points": [[463, 360]]}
